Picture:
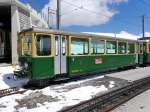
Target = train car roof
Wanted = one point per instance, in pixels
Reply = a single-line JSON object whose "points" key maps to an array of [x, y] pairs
{"points": [[44, 30], [144, 38]]}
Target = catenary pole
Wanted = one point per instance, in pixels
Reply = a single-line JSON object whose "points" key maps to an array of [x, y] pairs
{"points": [[58, 15], [143, 26]]}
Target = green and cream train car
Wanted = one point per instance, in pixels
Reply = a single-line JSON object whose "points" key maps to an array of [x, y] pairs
{"points": [[146, 50], [45, 55]]}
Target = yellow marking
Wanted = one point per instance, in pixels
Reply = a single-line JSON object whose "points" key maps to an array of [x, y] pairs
{"points": [[105, 47], [69, 45], [117, 50], [52, 45], [75, 71], [90, 46], [33, 45]]}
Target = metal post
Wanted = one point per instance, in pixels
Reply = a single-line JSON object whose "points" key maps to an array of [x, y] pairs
{"points": [[143, 27], [58, 15]]}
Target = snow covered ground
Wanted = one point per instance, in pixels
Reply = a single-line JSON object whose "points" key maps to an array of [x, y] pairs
{"points": [[57, 97], [6, 78], [140, 103], [133, 74], [54, 97]]}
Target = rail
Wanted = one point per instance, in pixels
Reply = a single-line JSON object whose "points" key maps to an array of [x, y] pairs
{"points": [[10, 91], [112, 99]]}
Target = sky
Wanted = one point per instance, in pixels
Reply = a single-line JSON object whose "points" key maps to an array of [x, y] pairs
{"points": [[113, 16]]}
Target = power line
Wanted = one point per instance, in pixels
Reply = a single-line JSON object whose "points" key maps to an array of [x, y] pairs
{"points": [[120, 20], [83, 8], [69, 12], [91, 11], [94, 12]]}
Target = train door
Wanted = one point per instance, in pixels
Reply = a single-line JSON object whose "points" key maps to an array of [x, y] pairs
{"points": [[145, 49], [60, 54], [140, 53], [137, 53]]}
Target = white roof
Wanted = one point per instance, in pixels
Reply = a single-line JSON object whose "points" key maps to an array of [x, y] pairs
{"points": [[123, 35]]}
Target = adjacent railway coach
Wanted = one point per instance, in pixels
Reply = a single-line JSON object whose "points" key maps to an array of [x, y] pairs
{"points": [[46, 54], [146, 50]]}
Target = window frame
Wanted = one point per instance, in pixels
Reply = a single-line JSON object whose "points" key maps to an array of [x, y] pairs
{"points": [[51, 44], [116, 48], [149, 47], [21, 35], [79, 38], [140, 44], [133, 47], [64, 42], [56, 41], [136, 48], [19, 46], [95, 53], [125, 47]]}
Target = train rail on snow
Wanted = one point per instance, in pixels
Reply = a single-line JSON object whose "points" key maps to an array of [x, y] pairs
{"points": [[112, 99], [10, 91]]}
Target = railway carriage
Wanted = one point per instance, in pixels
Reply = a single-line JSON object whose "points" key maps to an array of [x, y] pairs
{"points": [[45, 55], [146, 50]]}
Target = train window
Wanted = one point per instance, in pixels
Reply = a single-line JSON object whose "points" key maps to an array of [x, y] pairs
{"points": [[63, 46], [141, 48], [137, 48], [56, 46], [144, 47], [131, 48], [122, 47], [97, 47], [26, 45], [79, 46], [43, 45], [111, 47]]}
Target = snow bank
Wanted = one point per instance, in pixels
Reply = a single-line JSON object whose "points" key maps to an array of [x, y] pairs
{"points": [[8, 103], [68, 94], [67, 98], [6, 78]]}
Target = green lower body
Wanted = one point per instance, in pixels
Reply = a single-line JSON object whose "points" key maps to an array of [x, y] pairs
{"points": [[146, 58], [39, 67], [140, 59], [89, 64], [43, 67]]}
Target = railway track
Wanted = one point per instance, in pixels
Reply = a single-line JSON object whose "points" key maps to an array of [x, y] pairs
{"points": [[112, 99], [10, 91]]}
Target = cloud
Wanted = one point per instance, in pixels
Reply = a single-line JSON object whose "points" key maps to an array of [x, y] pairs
{"points": [[82, 12]]}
